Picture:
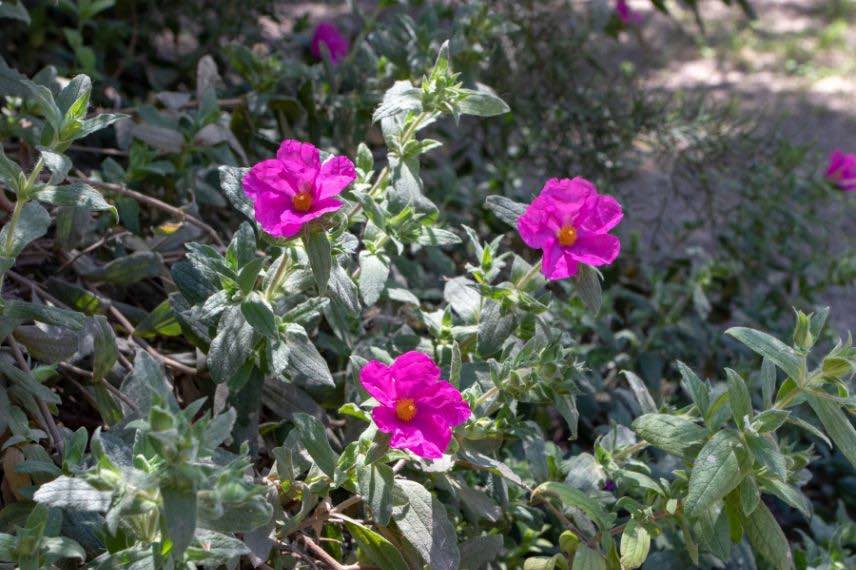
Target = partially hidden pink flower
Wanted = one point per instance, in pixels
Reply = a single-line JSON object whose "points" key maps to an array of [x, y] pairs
{"points": [[417, 407], [295, 188], [329, 35], [626, 14], [842, 170], [569, 221]]}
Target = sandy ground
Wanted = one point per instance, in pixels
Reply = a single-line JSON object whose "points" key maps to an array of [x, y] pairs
{"points": [[795, 68]]}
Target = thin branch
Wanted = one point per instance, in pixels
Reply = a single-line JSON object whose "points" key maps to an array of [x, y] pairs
{"points": [[154, 202], [324, 555]]}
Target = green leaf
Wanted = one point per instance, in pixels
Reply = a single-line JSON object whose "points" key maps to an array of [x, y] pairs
{"points": [[376, 548], [10, 172], [587, 282], [573, 497], [494, 329], [232, 346], [699, 391], [320, 256], [375, 486], [635, 545], [481, 103], [249, 273], [837, 425], [232, 186], [14, 11], [770, 347], [766, 537], [399, 98], [260, 315], [24, 311], [28, 382], [505, 209], [57, 163], [789, 494], [180, 512], [73, 494], [129, 269], [33, 224], [95, 124], [423, 521], [48, 347], [304, 360], [314, 439], [767, 453], [716, 472], [160, 321], [738, 397], [770, 420], [643, 396], [62, 547], [673, 434], [105, 351], [75, 194], [243, 244], [343, 290], [750, 496], [587, 559]]}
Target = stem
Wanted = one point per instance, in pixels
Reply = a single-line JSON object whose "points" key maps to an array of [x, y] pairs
{"points": [[19, 207], [281, 270]]}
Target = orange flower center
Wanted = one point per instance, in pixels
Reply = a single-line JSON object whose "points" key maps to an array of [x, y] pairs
{"points": [[567, 235], [405, 409], [302, 201]]}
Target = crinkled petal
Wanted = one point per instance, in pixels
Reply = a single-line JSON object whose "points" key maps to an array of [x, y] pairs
{"points": [[269, 207], [556, 264], [534, 225], [291, 221], [335, 175], [300, 163], [568, 196], [376, 378], [328, 34], [266, 176], [595, 249], [601, 214], [445, 401], [433, 436], [412, 371]]}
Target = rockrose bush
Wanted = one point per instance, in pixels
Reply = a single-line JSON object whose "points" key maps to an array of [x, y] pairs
{"points": [[244, 339]]}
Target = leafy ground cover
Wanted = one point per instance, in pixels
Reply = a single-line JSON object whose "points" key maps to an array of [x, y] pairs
{"points": [[425, 284]]}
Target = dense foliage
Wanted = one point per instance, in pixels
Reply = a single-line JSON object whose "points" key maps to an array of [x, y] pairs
{"points": [[363, 294]]}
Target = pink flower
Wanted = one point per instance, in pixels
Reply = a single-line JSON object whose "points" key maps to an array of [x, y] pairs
{"points": [[417, 407], [842, 170], [328, 34], [626, 14], [569, 221], [295, 188]]}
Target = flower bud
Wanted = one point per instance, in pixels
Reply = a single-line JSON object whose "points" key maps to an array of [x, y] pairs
{"points": [[568, 542]]}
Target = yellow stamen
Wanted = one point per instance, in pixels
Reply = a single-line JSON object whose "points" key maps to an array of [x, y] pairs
{"points": [[405, 409], [302, 201], [567, 235]]}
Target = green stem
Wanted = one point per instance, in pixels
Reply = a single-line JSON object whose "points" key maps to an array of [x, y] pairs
{"points": [[22, 199], [281, 271]]}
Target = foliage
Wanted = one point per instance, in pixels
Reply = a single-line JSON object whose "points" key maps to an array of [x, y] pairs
{"points": [[182, 389]]}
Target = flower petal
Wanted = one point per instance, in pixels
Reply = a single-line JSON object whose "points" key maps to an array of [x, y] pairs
{"points": [[534, 225], [444, 400], [568, 196], [595, 249], [266, 176], [300, 163], [335, 175], [269, 207], [601, 214], [433, 436], [556, 265], [413, 369], [376, 378]]}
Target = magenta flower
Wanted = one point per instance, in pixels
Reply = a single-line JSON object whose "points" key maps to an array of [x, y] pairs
{"points": [[328, 34], [295, 188], [842, 170], [626, 14], [417, 407], [569, 221]]}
